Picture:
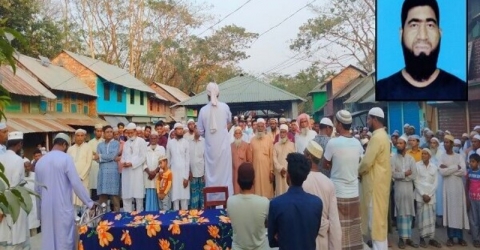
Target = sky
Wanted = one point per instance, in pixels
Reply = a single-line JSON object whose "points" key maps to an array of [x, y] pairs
{"points": [[257, 16]]}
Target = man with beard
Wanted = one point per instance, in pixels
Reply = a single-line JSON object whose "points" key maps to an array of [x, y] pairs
{"points": [[280, 151], [325, 133], [191, 130], [241, 152], [305, 135], [273, 131], [178, 155], [93, 143], [262, 159], [452, 168], [56, 170], [421, 79]]}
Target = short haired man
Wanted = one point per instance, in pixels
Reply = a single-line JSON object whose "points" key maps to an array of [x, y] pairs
{"points": [[421, 79], [322, 138]]}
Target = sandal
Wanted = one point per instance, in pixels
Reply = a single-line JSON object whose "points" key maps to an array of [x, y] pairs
{"points": [[423, 243], [401, 244], [435, 243], [476, 243], [449, 243], [411, 243], [462, 243]]}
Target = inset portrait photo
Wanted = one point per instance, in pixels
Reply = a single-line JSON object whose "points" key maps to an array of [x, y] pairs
{"points": [[421, 50]]}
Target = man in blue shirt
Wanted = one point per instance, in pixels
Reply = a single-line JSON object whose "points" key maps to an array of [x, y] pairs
{"points": [[294, 217]]}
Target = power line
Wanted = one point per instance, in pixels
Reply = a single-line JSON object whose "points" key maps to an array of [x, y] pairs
{"points": [[231, 13]]}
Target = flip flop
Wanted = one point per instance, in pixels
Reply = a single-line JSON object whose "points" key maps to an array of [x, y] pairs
{"points": [[462, 243], [401, 244], [411, 243], [476, 243], [435, 243], [449, 243], [423, 243]]}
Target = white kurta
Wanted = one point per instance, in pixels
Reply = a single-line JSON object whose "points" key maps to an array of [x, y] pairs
{"points": [[179, 159], [218, 153], [11, 233], [93, 143], [132, 177], [301, 141], [426, 182], [152, 163], [33, 221], [197, 157], [82, 157]]}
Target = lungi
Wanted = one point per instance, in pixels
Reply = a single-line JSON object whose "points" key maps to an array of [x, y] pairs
{"points": [[455, 233], [151, 201], [404, 226], [350, 221], [426, 216], [196, 192]]}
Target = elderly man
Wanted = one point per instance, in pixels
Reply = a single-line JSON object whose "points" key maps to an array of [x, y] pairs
{"points": [[178, 154], [342, 156], [14, 235], [151, 169], [330, 234], [273, 130], [325, 133], [133, 165], [212, 125], [305, 135], [108, 176], [452, 168], [414, 151], [406, 130], [376, 176], [280, 151], [440, 135], [428, 135], [82, 155], [262, 159], [290, 136], [56, 170], [93, 143], [241, 152], [3, 137], [425, 189], [404, 172]]}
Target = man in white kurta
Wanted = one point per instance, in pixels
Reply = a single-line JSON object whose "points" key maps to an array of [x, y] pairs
{"points": [[154, 152], [212, 125], [305, 135], [133, 165], [452, 168], [179, 159], [82, 155], [93, 143], [13, 235], [56, 170]]}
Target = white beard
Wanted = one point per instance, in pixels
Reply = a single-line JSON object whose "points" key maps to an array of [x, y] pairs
{"points": [[304, 131], [260, 135], [238, 142], [132, 138], [283, 140]]}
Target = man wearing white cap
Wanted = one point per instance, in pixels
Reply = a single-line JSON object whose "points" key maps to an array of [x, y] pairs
{"points": [[280, 151], [290, 136], [477, 129], [376, 177], [93, 143], [13, 235], [178, 154], [475, 146], [191, 130], [3, 137], [197, 170], [56, 170], [414, 150], [330, 234], [273, 130], [212, 125], [133, 159], [262, 159], [404, 172], [325, 133], [151, 169], [241, 152], [452, 168], [342, 156], [305, 135], [82, 155]]}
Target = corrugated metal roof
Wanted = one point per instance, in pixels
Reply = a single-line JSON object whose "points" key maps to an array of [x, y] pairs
{"points": [[21, 83], [160, 97], [242, 89], [369, 98], [29, 123], [77, 119], [175, 92], [360, 93], [111, 73], [55, 77], [352, 85]]}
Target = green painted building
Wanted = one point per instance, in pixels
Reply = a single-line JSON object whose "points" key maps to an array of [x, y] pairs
{"points": [[319, 100]]}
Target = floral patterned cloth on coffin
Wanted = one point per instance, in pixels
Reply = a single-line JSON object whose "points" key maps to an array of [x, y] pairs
{"points": [[173, 230]]}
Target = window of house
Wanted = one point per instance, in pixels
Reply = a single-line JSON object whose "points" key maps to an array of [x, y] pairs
{"points": [[106, 91], [119, 93], [151, 105], [59, 107], [142, 96], [132, 96]]}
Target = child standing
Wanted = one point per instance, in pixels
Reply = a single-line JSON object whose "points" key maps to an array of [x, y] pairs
{"points": [[164, 184], [33, 221], [473, 203]]}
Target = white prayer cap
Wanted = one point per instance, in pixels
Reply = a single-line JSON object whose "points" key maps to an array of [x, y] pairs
{"points": [[167, 127], [315, 149], [406, 125], [3, 125], [476, 127], [395, 133], [435, 139], [131, 126], [80, 131], [25, 160], [326, 121], [457, 141], [98, 126], [16, 135], [154, 132], [364, 141], [63, 136], [447, 132], [416, 137], [403, 138], [369, 134], [378, 112], [426, 129], [427, 150], [284, 127], [242, 117], [261, 120], [289, 120], [477, 137], [283, 120], [430, 133], [465, 135], [115, 129], [213, 91], [357, 136], [238, 128], [178, 125], [235, 118], [473, 133], [190, 120], [139, 128], [450, 138], [344, 117]]}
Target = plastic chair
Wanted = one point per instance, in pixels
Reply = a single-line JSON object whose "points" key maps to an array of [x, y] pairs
{"points": [[215, 190]]}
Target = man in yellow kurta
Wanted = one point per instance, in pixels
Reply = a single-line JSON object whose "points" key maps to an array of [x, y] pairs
{"points": [[280, 151], [93, 176], [262, 152], [241, 153], [82, 156], [376, 177]]}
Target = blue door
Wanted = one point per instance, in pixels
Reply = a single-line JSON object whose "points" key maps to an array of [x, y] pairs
{"points": [[400, 113]]}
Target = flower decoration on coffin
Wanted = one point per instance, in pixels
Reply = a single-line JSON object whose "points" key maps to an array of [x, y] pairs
{"points": [[164, 244], [127, 240], [213, 231], [80, 245], [83, 229], [211, 245], [224, 219], [174, 228], [153, 227], [104, 237], [118, 216], [191, 216]]}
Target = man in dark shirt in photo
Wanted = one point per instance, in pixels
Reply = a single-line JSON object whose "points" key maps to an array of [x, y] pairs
{"points": [[421, 79]]}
